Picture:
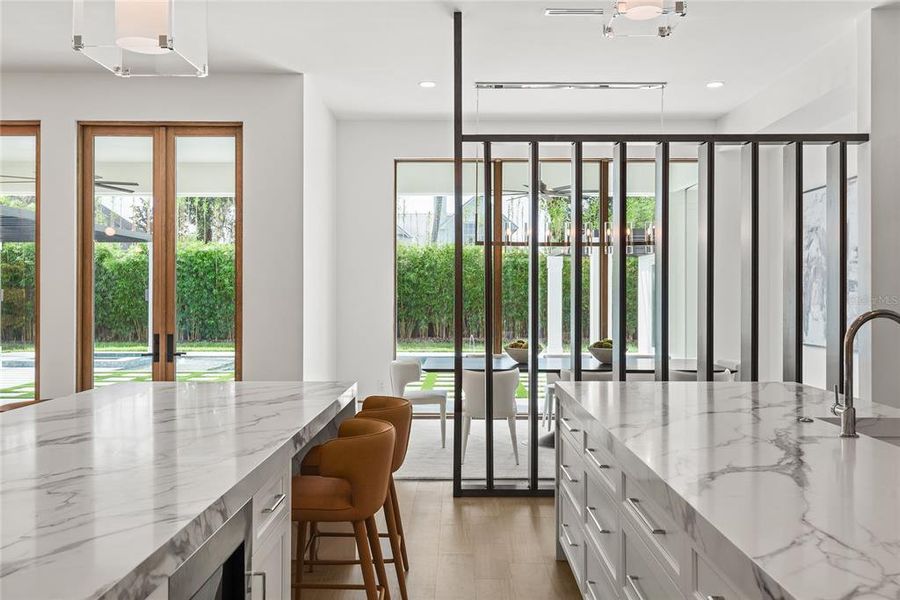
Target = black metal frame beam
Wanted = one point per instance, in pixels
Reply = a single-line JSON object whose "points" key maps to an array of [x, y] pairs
{"points": [[488, 318], [654, 138], [577, 238], [458, 252], [706, 201], [661, 289], [534, 283], [792, 278], [750, 262], [835, 263], [619, 271]]}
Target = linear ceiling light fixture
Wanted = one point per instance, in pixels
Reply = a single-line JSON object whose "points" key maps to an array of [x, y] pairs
{"points": [[570, 85], [573, 12], [143, 38]]}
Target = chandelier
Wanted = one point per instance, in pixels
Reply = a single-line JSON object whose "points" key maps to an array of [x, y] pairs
{"points": [[143, 38]]}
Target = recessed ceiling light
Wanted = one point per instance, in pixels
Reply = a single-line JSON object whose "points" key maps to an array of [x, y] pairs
{"points": [[715, 84], [427, 84]]}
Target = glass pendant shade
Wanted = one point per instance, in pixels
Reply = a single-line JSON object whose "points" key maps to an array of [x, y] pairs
{"points": [[641, 10], [143, 38], [139, 24]]}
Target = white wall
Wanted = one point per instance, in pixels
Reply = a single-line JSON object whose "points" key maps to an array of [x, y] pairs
{"points": [[319, 239], [270, 108]]}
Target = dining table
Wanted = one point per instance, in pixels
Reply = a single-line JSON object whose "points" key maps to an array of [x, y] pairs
{"points": [[554, 364]]}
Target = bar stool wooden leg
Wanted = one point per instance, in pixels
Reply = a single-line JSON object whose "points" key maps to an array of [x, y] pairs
{"points": [[399, 519], [365, 560], [395, 543], [301, 550], [378, 557]]}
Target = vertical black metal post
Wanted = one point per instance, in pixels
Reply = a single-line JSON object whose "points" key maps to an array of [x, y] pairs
{"points": [[661, 250], [488, 318], [705, 253], [792, 317], [750, 262], [577, 250], [458, 252], [835, 263], [533, 314], [619, 232]]}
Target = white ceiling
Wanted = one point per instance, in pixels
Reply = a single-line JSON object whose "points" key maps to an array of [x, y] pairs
{"points": [[367, 57]]}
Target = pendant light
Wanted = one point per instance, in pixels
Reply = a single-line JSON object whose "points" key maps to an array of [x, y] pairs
{"points": [[140, 24], [640, 10]]}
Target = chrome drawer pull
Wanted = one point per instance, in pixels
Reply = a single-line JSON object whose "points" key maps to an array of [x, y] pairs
{"points": [[599, 464], [633, 584], [643, 516], [250, 575], [279, 499], [715, 598], [568, 475], [600, 528], [565, 422], [566, 535], [590, 588]]}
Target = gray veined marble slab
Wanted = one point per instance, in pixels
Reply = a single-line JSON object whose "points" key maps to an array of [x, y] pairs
{"points": [[104, 493], [790, 508]]}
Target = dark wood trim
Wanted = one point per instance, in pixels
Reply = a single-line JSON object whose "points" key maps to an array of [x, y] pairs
{"points": [[33, 129], [489, 222], [185, 124], [792, 276], [723, 139], [619, 270], [457, 253], [705, 272], [577, 237], [239, 253], [836, 263], [534, 323], [750, 262], [661, 288]]}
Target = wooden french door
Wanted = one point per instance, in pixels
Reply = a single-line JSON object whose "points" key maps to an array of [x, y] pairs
{"points": [[160, 253]]}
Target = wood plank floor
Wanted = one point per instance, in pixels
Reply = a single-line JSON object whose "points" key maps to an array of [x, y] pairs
{"points": [[472, 548]]}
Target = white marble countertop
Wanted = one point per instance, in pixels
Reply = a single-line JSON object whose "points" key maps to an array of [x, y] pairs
{"points": [[102, 494], [812, 515]]}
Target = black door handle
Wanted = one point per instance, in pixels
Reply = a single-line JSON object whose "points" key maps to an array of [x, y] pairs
{"points": [[170, 348], [155, 353]]}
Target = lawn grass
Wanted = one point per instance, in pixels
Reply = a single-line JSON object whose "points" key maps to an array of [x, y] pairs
{"points": [[139, 347]]}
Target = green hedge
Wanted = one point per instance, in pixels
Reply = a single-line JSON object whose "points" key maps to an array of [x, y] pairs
{"points": [[425, 292], [205, 297]]}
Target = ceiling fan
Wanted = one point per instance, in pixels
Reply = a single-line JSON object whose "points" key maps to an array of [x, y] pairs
{"points": [[116, 186], [545, 191]]}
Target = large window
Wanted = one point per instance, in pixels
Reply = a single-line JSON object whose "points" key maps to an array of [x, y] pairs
{"points": [[19, 261], [160, 254]]}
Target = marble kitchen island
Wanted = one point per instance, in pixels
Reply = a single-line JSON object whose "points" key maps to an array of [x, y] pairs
{"points": [[105, 493], [724, 490]]}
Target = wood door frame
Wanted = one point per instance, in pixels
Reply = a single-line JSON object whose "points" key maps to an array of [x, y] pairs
{"points": [[25, 129], [164, 221]]}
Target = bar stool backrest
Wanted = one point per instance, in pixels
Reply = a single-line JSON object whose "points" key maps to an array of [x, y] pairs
{"points": [[397, 412]]}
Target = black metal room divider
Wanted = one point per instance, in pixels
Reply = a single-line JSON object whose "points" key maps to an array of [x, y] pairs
{"points": [[793, 144]]}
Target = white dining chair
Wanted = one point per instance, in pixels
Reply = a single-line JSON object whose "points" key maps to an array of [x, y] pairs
{"points": [[404, 372], [550, 390], [504, 403]]}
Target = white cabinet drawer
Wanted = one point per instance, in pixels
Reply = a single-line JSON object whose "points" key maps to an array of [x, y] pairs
{"points": [[602, 525], [643, 577], [666, 541], [599, 460], [571, 473], [597, 582], [570, 426], [708, 584], [571, 538], [271, 501]]}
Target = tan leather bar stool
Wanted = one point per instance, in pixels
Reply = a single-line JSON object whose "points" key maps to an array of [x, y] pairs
{"points": [[354, 471], [398, 412]]}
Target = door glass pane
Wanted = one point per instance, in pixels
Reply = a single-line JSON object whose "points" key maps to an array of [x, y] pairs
{"points": [[123, 219], [17, 267], [205, 258]]}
